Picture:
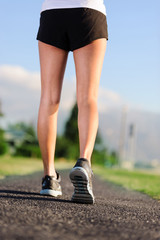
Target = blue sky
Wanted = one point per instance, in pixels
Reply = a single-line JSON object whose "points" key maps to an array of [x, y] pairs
{"points": [[132, 61]]}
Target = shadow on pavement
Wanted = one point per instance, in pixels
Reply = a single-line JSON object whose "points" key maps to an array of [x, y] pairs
{"points": [[12, 194]]}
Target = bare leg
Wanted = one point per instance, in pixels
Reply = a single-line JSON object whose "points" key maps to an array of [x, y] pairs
{"points": [[52, 62], [88, 63]]}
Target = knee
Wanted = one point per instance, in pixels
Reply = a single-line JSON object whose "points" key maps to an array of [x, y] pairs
{"points": [[86, 102], [51, 103]]}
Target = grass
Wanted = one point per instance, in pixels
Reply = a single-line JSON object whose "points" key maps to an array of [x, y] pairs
{"points": [[18, 165], [145, 182], [22, 166]]}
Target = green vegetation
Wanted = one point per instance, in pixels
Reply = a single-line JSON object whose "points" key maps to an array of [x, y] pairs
{"points": [[144, 182], [24, 140], [22, 165], [67, 145], [3, 144], [18, 165]]}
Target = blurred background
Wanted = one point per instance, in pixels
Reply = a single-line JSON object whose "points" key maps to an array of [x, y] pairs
{"points": [[129, 92]]}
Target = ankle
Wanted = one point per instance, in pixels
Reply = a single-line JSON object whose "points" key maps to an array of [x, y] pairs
{"points": [[50, 173]]}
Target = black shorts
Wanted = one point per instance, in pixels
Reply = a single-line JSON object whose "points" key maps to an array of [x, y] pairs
{"points": [[71, 28]]}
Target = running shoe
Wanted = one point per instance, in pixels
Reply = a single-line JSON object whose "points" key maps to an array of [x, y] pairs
{"points": [[81, 177], [51, 186]]}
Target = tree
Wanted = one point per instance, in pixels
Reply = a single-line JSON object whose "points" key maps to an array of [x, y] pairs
{"points": [[72, 137], [71, 126], [3, 144]]}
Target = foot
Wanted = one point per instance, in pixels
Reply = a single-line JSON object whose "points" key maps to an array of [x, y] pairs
{"points": [[81, 177], [51, 186]]}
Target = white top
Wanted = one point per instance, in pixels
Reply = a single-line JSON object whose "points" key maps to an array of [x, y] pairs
{"points": [[94, 4]]}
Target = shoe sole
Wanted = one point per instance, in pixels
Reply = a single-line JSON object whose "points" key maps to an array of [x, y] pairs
{"points": [[80, 180], [49, 192]]}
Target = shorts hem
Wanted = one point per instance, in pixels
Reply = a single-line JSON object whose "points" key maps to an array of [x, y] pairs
{"points": [[53, 44], [83, 44]]}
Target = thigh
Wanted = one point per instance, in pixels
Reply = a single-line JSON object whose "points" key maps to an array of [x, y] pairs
{"points": [[88, 64], [52, 62]]}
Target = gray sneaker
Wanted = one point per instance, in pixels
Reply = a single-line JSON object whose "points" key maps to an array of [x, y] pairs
{"points": [[51, 186], [81, 177]]}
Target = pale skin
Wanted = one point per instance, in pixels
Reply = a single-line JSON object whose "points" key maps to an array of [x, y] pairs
{"points": [[88, 64]]}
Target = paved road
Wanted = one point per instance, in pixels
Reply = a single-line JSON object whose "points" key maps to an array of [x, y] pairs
{"points": [[118, 214]]}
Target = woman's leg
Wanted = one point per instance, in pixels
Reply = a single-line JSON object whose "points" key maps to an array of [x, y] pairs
{"points": [[88, 64], [52, 62]]}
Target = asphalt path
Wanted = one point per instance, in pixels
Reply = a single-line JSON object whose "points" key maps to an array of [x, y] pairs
{"points": [[117, 213]]}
